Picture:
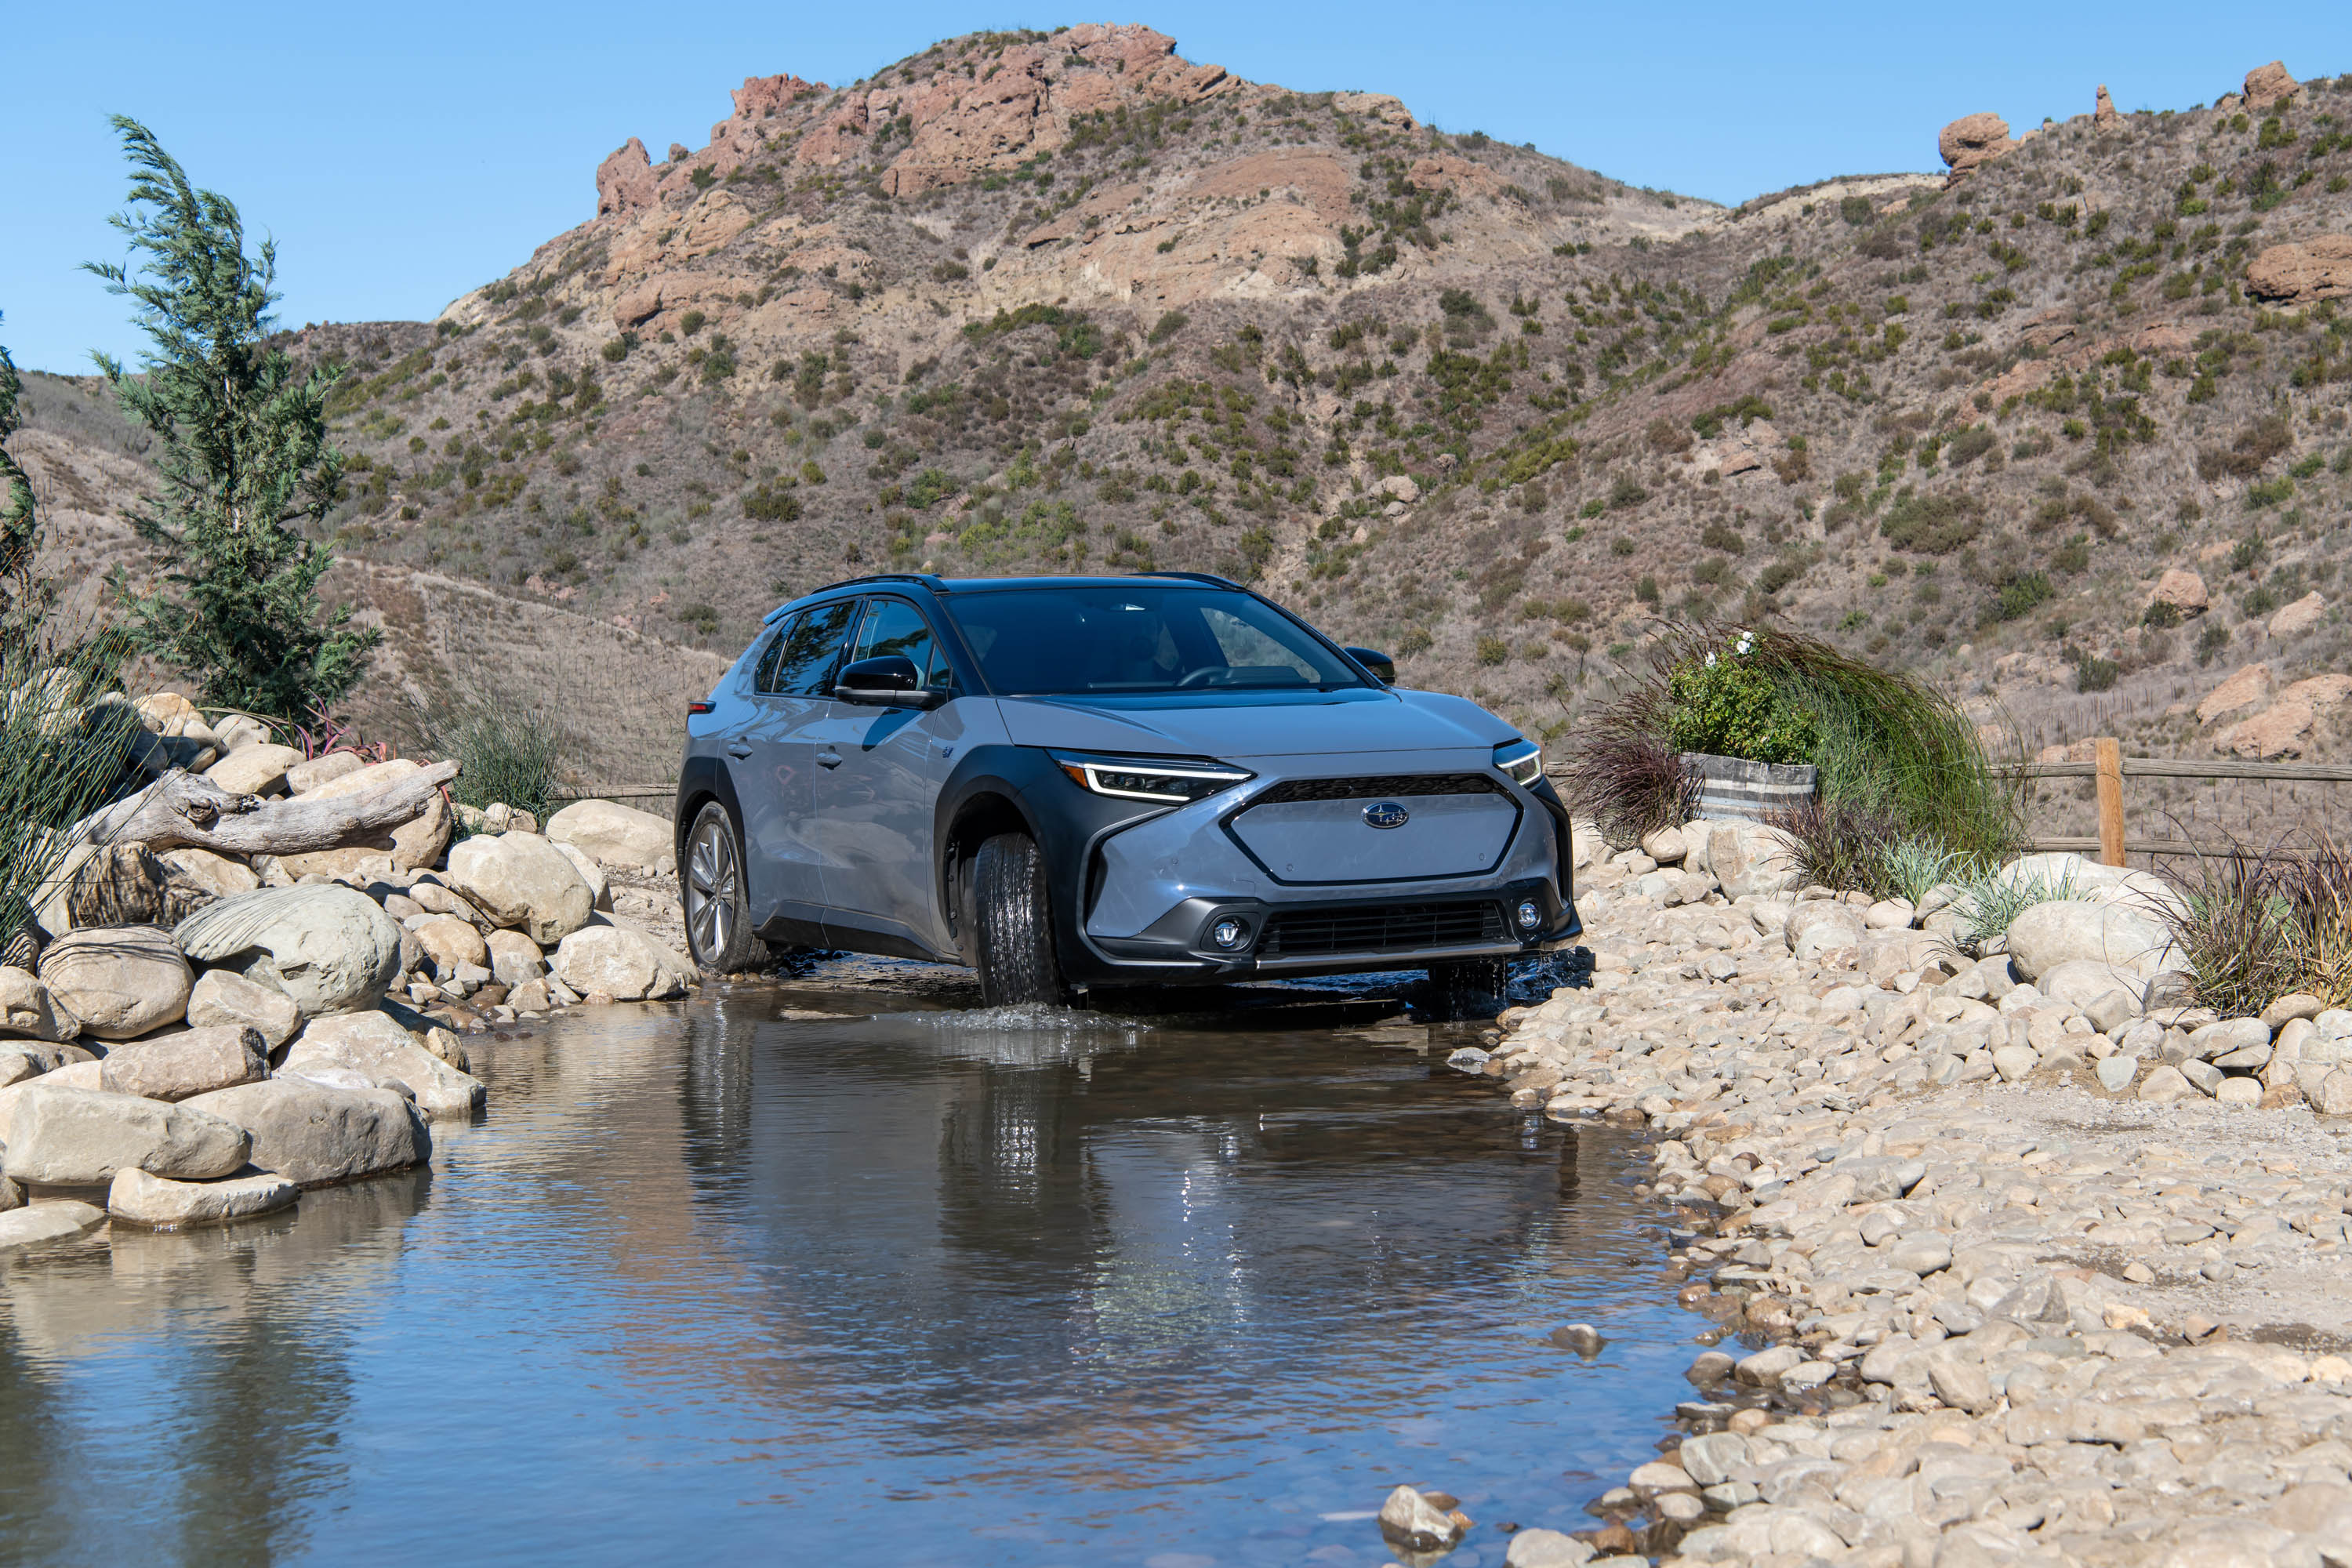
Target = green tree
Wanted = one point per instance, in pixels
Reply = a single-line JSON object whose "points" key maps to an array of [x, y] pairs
{"points": [[244, 465], [25, 599]]}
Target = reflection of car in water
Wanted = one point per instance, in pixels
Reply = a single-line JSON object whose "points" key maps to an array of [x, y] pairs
{"points": [[1072, 782]]}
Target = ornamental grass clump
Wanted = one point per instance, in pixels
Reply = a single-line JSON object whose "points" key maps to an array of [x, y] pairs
{"points": [[61, 752], [2254, 925], [1898, 760]]}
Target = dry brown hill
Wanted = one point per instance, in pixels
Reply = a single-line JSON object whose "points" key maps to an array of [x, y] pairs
{"points": [[1047, 301]]}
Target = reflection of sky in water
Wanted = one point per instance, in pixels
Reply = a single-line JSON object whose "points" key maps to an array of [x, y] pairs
{"points": [[888, 1291]]}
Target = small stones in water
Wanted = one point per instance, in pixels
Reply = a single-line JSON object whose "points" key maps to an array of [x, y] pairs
{"points": [[1583, 1337], [1413, 1522], [1711, 1368], [1469, 1059]]}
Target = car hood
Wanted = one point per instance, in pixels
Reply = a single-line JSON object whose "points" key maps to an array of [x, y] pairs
{"points": [[1267, 725]]}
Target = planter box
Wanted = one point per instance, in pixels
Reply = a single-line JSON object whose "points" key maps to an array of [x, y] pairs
{"points": [[1737, 788]]}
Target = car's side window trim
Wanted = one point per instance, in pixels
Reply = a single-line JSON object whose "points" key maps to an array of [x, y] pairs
{"points": [[763, 674], [937, 660]]}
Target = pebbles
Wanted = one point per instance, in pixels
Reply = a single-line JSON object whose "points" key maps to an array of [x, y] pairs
{"points": [[2015, 1246]]}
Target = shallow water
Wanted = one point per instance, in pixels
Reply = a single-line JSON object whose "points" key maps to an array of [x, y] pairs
{"points": [[912, 1286]]}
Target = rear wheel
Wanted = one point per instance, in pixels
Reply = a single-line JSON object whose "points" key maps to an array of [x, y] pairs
{"points": [[1469, 987], [1013, 921], [718, 914]]}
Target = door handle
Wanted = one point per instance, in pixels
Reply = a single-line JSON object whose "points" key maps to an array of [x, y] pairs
{"points": [[738, 750], [828, 759]]}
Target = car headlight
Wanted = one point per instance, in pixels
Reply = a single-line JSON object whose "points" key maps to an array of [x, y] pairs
{"points": [[1521, 761], [1169, 781]]}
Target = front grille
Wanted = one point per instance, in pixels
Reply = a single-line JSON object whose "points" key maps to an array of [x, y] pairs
{"points": [[1379, 787], [1395, 928]]}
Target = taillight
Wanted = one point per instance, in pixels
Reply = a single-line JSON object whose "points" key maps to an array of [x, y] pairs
{"points": [[698, 707]]}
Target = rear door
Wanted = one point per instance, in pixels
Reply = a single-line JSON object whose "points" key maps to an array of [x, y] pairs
{"points": [[774, 763], [879, 773]]}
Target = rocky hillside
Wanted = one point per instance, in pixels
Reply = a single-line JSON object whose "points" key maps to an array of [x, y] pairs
{"points": [[1067, 301]]}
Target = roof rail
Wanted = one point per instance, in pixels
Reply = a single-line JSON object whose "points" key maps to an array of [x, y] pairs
{"points": [[928, 580], [1191, 578]]}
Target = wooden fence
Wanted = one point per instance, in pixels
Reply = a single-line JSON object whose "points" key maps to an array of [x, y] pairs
{"points": [[2110, 767]]}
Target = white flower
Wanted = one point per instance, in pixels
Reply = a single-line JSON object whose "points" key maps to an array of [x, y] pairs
{"points": [[1710, 662]]}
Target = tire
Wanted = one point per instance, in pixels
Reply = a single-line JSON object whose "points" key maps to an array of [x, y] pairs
{"points": [[1470, 987], [710, 887], [1013, 925]]}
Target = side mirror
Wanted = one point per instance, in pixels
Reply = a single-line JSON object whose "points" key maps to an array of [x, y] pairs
{"points": [[890, 681], [1380, 664]]}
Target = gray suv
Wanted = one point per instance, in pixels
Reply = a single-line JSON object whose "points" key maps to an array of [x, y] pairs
{"points": [[1071, 783]]}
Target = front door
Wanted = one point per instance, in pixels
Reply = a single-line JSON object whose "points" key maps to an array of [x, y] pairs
{"points": [[774, 764], [879, 774]]}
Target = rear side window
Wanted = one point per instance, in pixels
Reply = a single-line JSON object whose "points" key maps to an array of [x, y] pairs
{"points": [[763, 676], [894, 625], [802, 662]]}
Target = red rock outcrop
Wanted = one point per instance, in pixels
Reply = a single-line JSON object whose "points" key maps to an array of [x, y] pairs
{"points": [[1972, 140], [2267, 87], [625, 182], [2314, 269]]}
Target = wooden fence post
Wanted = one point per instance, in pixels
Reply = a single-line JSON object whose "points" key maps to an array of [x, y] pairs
{"points": [[2110, 759]]}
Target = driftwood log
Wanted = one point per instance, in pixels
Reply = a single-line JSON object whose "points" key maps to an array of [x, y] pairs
{"points": [[183, 811]]}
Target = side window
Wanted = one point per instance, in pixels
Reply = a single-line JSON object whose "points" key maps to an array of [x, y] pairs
{"points": [[763, 676], [808, 650], [894, 625]]}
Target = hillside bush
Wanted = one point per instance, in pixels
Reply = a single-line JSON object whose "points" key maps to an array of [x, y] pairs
{"points": [[510, 752], [2258, 924]]}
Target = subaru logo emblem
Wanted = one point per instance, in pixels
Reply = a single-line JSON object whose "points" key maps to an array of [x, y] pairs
{"points": [[1386, 813]]}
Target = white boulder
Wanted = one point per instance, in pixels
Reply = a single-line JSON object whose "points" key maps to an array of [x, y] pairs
{"points": [[522, 882], [614, 835], [624, 962], [119, 980], [327, 948]]}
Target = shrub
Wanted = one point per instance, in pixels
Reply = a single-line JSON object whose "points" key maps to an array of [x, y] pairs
{"points": [[1992, 897], [2093, 673], [1840, 845], [2022, 592], [1930, 524], [768, 504], [1916, 867], [1624, 491], [60, 754], [1717, 536], [509, 751], [692, 323], [1493, 650], [1725, 705]]}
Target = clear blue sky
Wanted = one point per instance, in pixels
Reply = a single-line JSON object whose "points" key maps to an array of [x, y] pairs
{"points": [[404, 154]]}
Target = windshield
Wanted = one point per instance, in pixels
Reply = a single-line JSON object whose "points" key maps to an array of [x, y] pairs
{"points": [[1066, 641]]}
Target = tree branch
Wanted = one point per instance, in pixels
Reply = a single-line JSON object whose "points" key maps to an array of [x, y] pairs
{"points": [[181, 810]]}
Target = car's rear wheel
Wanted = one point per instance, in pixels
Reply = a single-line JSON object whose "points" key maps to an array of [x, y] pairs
{"points": [[1470, 986], [1013, 921], [718, 913]]}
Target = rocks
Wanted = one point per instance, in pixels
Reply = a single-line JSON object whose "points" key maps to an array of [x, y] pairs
{"points": [[2268, 87], [374, 1044], [2288, 1008], [254, 769], [2299, 616], [313, 1135], [2334, 1095], [623, 962], [306, 776], [1664, 845], [2103, 110], [2046, 935], [2165, 1084], [224, 998], [161, 1204], [118, 981], [2115, 1072], [522, 880], [2248, 688], [2277, 731], [1972, 141], [28, 1008], [2181, 589], [1412, 1521], [514, 958], [1749, 860], [1546, 1549], [194, 1062], [1763, 1370], [614, 834], [81, 1138], [327, 949], [46, 1222], [449, 943], [2315, 270], [413, 844], [214, 876]]}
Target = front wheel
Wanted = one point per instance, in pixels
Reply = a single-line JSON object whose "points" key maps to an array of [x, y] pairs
{"points": [[1013, 920], [718, 913]]}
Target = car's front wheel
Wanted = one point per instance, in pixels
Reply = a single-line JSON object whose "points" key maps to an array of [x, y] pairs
{"points": [[718, 913], [1013, 920]]}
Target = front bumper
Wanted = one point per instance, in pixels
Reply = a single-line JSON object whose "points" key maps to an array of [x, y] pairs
{"points": [[1149, 894]]}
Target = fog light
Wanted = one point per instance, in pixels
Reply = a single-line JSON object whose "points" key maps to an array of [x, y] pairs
{"points": [[1529, 916], [1229, 933]]}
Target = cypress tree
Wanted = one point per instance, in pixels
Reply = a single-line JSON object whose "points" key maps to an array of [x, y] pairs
{"points": [[247, 473]]}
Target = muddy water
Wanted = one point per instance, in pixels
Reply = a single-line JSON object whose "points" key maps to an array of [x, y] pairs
{"points": [[899, 1285]]}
